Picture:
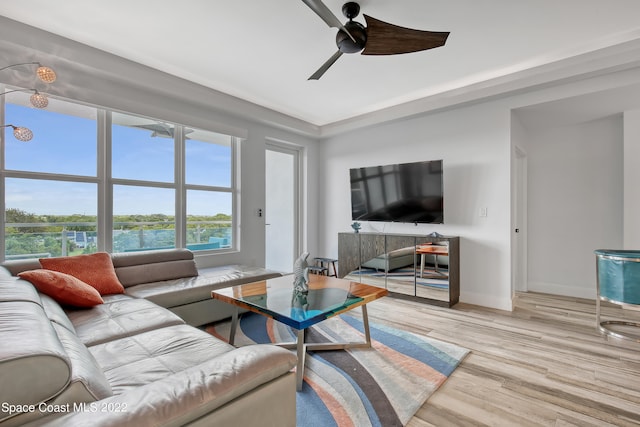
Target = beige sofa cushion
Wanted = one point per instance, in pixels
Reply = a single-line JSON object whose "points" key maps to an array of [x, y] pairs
{"points": [[119, 317], [13, 289], [132, 362], [133, 268], [260, 383], [88, 383], [19, 265], [126, 259], [55, 313], [34, 366], [173, 293]]}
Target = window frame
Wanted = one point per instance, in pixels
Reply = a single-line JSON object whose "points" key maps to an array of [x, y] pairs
{"points": [[105, 182]]}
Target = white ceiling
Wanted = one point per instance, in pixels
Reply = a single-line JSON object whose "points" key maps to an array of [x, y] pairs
{"points": [[263, 51]]}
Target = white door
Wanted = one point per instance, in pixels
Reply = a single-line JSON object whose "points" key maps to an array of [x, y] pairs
{"points": [[281, 208]]}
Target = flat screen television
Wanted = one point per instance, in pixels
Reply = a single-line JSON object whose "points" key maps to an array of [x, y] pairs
{"points": [[405, 192]]}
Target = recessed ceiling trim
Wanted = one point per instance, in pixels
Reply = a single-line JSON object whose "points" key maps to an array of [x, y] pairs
{"points": [[611, 59]]}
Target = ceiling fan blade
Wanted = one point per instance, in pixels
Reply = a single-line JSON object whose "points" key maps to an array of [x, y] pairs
{"points": [[388, 39], [325, 66], [326, 15]]}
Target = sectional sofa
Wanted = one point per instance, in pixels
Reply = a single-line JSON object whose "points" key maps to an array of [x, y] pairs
{"points": [[131, 355]]}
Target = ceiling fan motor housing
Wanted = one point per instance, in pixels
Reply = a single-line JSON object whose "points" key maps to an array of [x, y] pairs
{"points": [[344, 42], [350, 9]]}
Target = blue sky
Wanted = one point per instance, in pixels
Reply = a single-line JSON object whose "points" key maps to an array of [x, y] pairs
{"points": [[66, 144]]}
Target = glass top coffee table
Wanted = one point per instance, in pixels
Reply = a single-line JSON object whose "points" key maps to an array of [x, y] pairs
{"points": [[327, 297]]}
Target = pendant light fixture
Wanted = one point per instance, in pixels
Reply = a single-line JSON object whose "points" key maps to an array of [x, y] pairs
{"points": [[20, 133], [44, 73], [38, 100]]}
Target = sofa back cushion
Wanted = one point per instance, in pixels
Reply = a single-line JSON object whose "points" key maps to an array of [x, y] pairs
{"points": [[55, 313], [34, 366], [95, 269], [14, 289], [134, 268], [131, 268], [43, 362], [88, 382], [19, 265]]}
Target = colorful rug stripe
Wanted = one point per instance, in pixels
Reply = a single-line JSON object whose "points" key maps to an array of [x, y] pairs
{"points": [[382, 386]]}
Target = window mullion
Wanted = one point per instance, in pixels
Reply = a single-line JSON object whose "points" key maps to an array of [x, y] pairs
{"points": [[3, 207], [181, 192], [105, 188], [235, 194]]}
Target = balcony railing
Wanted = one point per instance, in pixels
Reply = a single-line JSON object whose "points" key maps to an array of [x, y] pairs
{"points": [[39, 240]]}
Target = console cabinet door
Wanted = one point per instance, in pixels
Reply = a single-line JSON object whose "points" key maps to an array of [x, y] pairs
{"points": [[432, 272], [372, 267], [349, 255], [395, 262], [401, 264]]}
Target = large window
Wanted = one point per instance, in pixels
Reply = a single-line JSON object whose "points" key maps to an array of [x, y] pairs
{"points": [[154, 184], [49, 218], [208, 179], [142, 149], [143, 218], [64, 137]]}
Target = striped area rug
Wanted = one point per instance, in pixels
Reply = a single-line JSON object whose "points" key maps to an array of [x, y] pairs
{"points": [[381, 386]]}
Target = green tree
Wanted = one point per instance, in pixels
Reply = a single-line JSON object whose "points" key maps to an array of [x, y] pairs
{"points": [[17, 216]]}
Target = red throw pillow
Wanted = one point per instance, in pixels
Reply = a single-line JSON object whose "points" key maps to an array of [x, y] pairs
{"points": [[64, 288], [95, 269]]}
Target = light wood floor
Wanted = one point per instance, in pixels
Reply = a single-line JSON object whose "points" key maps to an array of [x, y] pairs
{"points": [[542, 364]]}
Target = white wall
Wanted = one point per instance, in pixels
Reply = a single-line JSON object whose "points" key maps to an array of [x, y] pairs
{"points": [[575, 200], [631, 180], [474, 144]]}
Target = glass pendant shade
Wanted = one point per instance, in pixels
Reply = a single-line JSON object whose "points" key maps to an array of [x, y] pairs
{"points": [[39, 100], [46, 74], [20, 133]]}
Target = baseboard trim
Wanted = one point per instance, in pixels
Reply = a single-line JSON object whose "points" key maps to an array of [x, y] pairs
{"points": [[485, 300], [564, 290]]}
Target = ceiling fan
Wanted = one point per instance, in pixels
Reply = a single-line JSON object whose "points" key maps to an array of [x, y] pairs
{"points": [[378, 38]]}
